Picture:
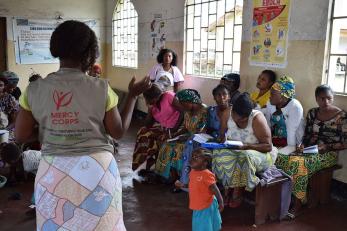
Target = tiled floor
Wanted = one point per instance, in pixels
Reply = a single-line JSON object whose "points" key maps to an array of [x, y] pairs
{"points": [[154, 207]]}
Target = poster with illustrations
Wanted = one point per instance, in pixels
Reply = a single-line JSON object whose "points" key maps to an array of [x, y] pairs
{"points": [[270, 33], [157, 34], [32, 37]]}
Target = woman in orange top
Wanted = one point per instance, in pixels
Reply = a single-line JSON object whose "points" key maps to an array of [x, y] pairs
{"points": [[203, 192]]}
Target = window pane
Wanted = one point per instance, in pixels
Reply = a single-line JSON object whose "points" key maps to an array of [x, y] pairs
{"points": [[220, 39], [203, 63], [197, 10], [340, 8], [228, 51], [197, 28], [125, 28], [203, 39], [238, 14], [213, 38], [196, 46], [189, 61], [210, 69], [190, 17], [213, 7], [189, 2], [229, 25], [236, 62], [219, 64], [229, 5], [227, 69], [237, 39], [339, 37], [204, 15], [337, 71], [220, 12], [190, 40], [211, 45]]}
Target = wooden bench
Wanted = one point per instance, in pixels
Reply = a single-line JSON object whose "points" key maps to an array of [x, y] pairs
{"points": [[268, 201], [319, 186]]}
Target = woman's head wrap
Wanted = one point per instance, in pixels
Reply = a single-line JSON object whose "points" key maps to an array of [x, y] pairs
{"points": [[286, 86], [189, 95]]}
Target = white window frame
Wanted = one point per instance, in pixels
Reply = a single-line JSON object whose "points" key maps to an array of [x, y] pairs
{"points": [[207, 57], [125, 35], [330, 79]]}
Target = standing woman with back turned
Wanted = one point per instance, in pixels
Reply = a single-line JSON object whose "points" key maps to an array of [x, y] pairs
{"points": [[77, 186]]}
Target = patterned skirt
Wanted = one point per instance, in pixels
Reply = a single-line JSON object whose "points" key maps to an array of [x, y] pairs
{"points": [[147, 144], [79, 193], [170, 157], [301, 168], [238, 168]]}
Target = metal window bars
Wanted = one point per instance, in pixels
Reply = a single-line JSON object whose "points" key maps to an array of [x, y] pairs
{"points": [[213, 31], [125, 35]]}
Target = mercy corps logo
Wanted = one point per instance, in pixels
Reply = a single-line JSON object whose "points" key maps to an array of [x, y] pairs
{"points": [[63, 99]]}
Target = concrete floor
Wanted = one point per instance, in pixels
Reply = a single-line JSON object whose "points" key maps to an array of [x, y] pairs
{"points": [[153, 207]]}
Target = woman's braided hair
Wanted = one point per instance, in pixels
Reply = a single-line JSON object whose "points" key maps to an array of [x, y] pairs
{"points": [[76, 41]]}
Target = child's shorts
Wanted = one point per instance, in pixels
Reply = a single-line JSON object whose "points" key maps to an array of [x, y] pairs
{"points": [[208, 219]]}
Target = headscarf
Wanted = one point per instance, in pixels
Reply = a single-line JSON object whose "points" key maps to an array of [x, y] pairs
{"points": [[189, 95], [12, 78], [286, 86]]}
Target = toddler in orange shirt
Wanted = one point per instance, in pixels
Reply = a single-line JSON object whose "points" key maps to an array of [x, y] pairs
{"points": [[203, 193]]}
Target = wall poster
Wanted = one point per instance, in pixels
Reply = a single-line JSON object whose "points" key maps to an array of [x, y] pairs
{"points": [[157, 34], [270, 33], [32, 37]]}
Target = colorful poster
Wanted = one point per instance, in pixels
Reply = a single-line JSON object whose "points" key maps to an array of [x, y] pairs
{"points": [[270, 33], [32, 39]]}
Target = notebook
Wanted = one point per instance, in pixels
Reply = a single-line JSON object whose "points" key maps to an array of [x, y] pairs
{"points": [[311, 150], [202, 138]]}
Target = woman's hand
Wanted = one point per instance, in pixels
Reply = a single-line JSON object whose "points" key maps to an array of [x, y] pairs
{"points": [[300, 149], [221, 139], [179, 184], [137, 88], [322, 148]]}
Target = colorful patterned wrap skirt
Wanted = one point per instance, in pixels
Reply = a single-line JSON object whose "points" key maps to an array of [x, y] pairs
{"points": [[79, 193], [301, 168], [147, 144], [170, 157], [235, 168]]}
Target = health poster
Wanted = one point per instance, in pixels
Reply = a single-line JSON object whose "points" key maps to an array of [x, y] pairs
{"points": [[270, 33], [32, 38]]}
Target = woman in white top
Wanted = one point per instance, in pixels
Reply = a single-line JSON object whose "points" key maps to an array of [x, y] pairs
{"points": [[167, 61], [284, 114], [236, 169]]}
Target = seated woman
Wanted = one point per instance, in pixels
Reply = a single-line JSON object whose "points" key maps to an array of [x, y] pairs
{"points": [[167, 60], [326, 126], [8, 108], [264, 83], [232, 81], [169, 162], [236, 169], [217, 119], [163, 108], [284, 114]]}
